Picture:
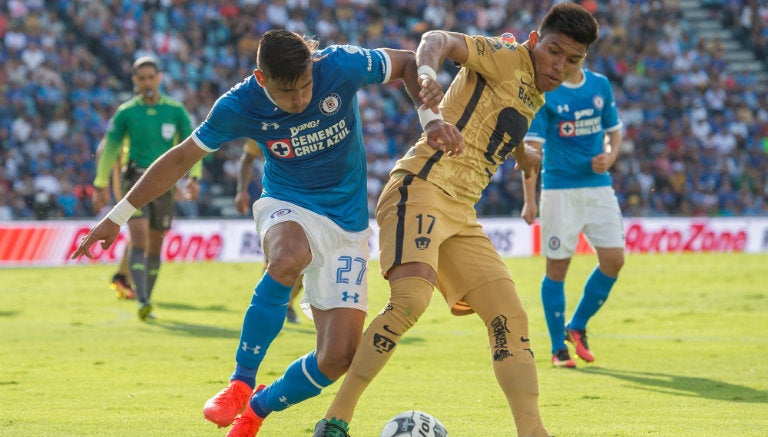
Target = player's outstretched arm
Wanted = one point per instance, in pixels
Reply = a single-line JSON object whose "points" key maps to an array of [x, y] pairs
{"points": [[158, 179], [165, 172]]}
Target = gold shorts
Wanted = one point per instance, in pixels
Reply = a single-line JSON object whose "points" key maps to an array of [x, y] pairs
{"points": [[419, 222]]}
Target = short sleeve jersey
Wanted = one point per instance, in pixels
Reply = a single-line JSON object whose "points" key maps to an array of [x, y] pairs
{"points": [[572, 125], [151, 130], [315, 159], [491, 101]]}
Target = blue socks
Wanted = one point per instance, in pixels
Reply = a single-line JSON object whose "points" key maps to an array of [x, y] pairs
{"points": [[596, 292], [263, 321], [302, 380], [245, 374], [553, 300]]}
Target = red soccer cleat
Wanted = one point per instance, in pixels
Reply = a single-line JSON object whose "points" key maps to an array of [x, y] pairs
{"points": [[121, 287], [248, 423], [579, 339], [562, 358], [228, 403]]}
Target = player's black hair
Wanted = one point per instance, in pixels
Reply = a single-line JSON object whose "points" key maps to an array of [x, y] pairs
{"points": [[284, 56], [571, 20]]}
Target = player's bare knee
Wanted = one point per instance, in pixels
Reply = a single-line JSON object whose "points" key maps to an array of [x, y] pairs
{"points": [[610, 261], [335, 362], [285, 266], [618, 263]]}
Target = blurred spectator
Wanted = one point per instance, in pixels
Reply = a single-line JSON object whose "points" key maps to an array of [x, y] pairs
{"points": [[63, 64]]}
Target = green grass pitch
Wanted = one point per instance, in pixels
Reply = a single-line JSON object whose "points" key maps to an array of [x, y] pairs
{"points": [[681, 346]]}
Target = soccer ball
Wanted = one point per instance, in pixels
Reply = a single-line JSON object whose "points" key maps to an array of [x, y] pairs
{"points": [[414, 424]]}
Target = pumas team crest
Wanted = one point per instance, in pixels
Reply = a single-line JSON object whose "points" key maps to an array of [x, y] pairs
{"points": [[330, 104]]}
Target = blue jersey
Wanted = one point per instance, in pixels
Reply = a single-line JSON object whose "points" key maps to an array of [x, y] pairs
{"points": [[572, 125], [315, 159]]}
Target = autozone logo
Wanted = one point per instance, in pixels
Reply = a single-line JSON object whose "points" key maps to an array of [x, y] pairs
{"points": [[697, 237]]}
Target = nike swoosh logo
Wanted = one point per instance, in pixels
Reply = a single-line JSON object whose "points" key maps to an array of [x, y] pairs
{"points": [[388, 329], [528, 84]]}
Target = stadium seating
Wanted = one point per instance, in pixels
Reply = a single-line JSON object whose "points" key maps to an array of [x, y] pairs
{"points": [[689, 76]]}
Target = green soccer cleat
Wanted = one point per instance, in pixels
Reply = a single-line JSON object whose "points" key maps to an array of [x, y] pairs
{"points": [[325, 428], [145, 312]]}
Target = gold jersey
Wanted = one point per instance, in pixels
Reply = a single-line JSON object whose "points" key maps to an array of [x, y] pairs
{"points": [[251, 147], [491, 101]]}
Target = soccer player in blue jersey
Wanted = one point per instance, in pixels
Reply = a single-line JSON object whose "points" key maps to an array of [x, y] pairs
{"points": [[580, 131], [300, 106]]}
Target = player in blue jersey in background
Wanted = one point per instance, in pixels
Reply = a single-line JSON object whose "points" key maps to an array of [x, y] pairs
{"points": [[300, 106], [580, 130]]}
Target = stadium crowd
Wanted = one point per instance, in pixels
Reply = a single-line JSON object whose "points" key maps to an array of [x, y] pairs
{"points": [[696, 134]]}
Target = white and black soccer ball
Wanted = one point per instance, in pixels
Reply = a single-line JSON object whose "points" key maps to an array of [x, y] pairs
{"points": [[414, 424]]}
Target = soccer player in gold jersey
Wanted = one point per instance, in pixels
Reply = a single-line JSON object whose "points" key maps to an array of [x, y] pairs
{"points": [[429, 232]]}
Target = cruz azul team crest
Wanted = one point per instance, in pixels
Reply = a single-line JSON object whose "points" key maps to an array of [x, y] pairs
{"points": [[330, 104]]}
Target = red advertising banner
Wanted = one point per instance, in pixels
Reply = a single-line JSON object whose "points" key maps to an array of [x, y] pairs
{"points": [[50, 243]]}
